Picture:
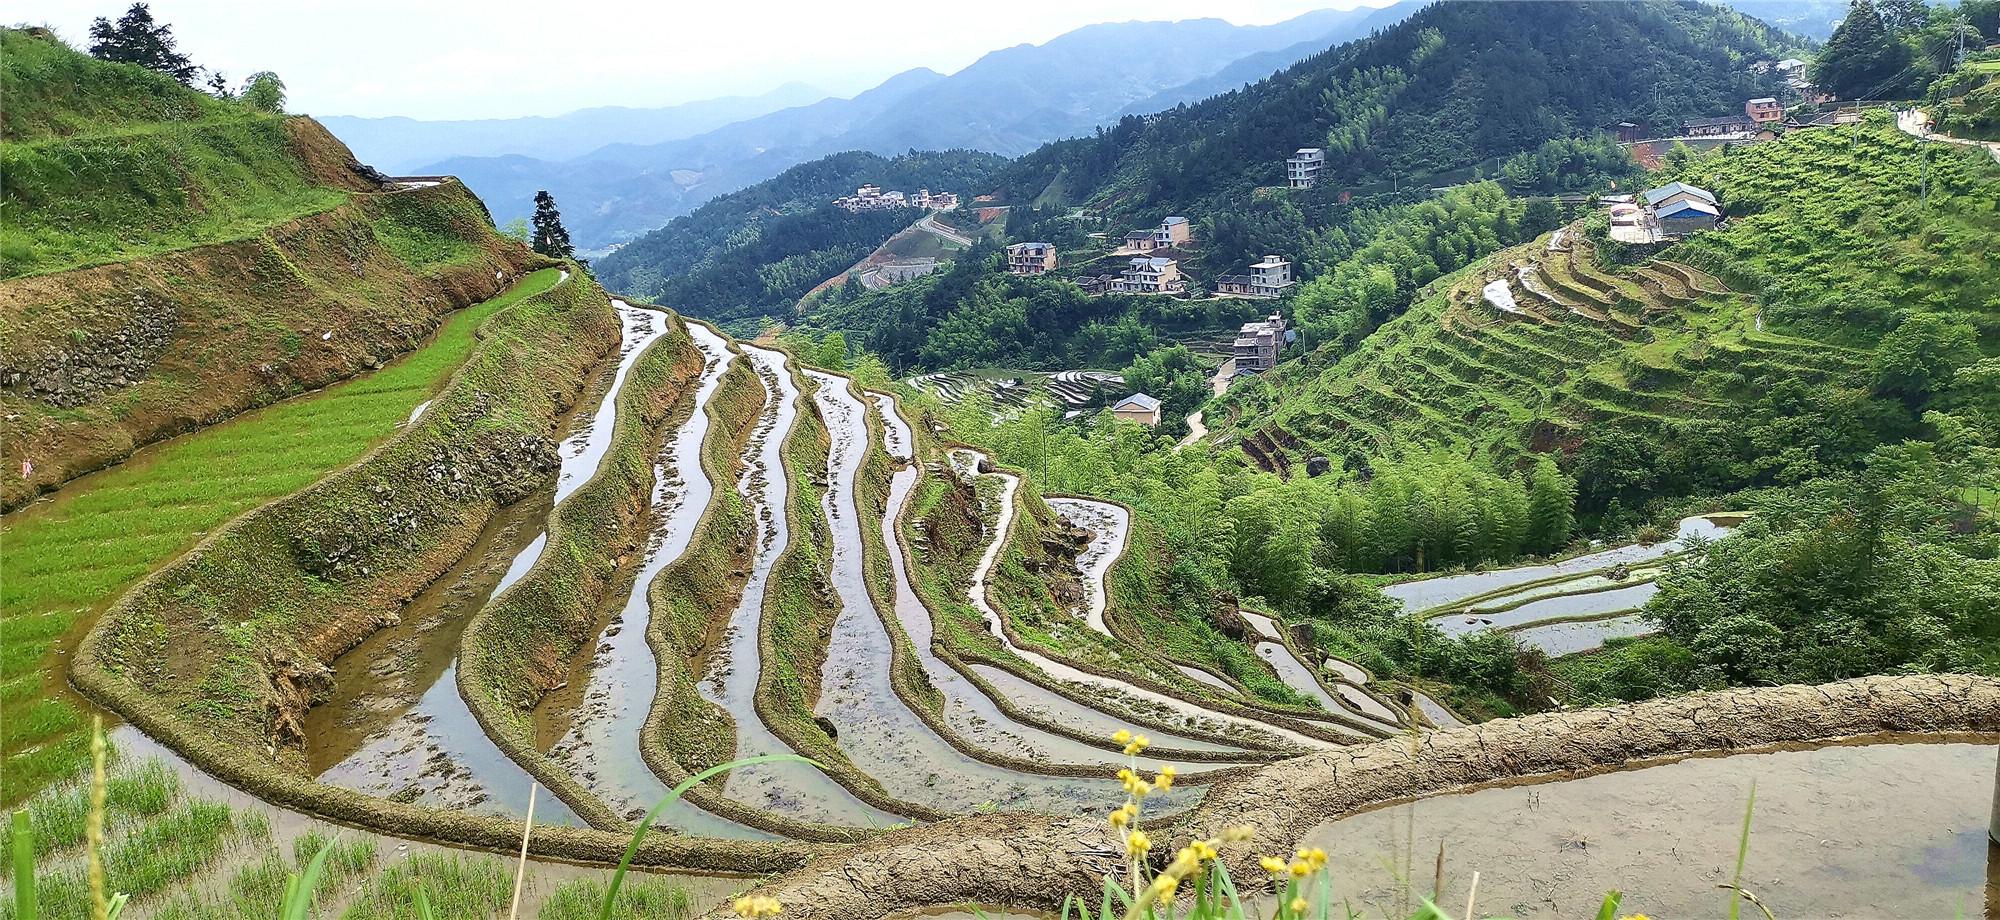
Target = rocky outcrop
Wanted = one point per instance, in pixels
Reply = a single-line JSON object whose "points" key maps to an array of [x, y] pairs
{"points": [[87, 367], [1030, 862]]}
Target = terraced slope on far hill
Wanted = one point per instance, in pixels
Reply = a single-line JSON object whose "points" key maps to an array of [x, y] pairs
{"points": [[1532, 348], [172, 259]]}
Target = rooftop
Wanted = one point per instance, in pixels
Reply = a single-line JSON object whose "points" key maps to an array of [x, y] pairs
{"points": [[1669, 190], [1137, 401], [1152, 262]]}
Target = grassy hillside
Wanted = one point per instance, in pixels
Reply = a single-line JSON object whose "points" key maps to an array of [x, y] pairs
{"points": [[172, 259], [1454, 85], [124, 162], [1745, 357]]}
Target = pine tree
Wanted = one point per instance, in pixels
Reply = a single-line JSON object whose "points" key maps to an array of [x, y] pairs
{"points": [[1862, 59], [550, 239], [137, 39]]}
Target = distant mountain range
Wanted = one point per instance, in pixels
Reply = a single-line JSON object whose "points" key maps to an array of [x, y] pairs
{"points": [[1008, 102], [402, 145]]}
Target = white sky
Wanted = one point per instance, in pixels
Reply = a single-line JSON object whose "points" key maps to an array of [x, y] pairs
{"points": [[461, 59]]}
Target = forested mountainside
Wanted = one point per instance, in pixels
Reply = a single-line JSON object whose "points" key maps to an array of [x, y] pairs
{"points": [[1454, 85], [173, 258], [754, 251], [1008, 102]]}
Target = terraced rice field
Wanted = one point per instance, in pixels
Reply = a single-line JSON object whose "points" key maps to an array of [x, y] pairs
{"points": [[1561, 608], [71, 555], [1541, 341], [824, 636]]}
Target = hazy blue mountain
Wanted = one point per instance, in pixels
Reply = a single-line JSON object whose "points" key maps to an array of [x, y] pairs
{"points": [[1813, 19], [1009, 101], [400, 145], [1344, 27]]}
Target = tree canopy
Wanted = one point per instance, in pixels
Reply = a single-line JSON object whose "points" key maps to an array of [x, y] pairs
{"points": [[136, 39]]}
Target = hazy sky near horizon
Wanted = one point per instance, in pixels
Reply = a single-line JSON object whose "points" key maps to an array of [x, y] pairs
{"points": [[460, 59]]}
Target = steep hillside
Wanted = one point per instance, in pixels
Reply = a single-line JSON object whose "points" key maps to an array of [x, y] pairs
{"points": [[175, 259], [1831, 310], [1006, 102], [757, 250], [1452, 86]]}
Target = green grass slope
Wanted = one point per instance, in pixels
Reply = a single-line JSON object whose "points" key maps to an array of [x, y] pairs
{"points": [[172, 259]]}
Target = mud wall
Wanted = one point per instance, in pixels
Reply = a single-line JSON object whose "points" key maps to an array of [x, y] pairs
{"points": [[1030, 862], [520, 646], [97, 362]]}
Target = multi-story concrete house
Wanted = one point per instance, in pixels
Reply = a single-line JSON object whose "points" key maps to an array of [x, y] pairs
{"points": [[1764, 111], [1031, 258], [1151, 275], [1302, 168], [1268, 278], [1258, 344]]}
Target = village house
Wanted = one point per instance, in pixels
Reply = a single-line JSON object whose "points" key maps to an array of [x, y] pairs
{"points": [[1302, 168], [1097, 284], [1030, 258], [1151, 275], [1170, 233], [938, 201], [1269, 278], [1678, 209], [1258, 343], [1138, 407], [1764, 111], [1718, 127]]}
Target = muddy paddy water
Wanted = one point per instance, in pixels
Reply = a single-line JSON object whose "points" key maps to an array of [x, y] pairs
{"points": [[792, 789], [422, 744], [1876, 830]]}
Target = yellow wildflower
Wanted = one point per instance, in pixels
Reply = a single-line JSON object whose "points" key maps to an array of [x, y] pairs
{"points": [[1298, 906], [1137, 843], [1273, 865], [1635, 917], [1120, 817], [1185, 862], [1299, 869], [1138, 743], [1134, 786], [1237, 833], [1315, 857], [1165, 780], [1121, 736], [1204, 849], [757, 905], [1162, 890]]}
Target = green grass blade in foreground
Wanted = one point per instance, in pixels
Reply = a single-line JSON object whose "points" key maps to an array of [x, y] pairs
{"points": [[646, 823], [299, 891], [1609, 909], [1742, 853], [23, 838]]}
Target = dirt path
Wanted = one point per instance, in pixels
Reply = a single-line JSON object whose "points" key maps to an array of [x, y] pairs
{"points": [[1916, 123]]}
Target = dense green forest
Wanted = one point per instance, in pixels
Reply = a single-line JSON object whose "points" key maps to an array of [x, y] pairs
{"points": [[755, 251], [1454, 86]]}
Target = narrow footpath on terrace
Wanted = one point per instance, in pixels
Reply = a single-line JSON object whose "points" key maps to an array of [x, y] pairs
{"points": [[791, 789], [1105, 688], [876, 728]]}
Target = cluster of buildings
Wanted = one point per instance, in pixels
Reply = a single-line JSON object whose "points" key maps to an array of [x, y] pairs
{"points": [[1669, 212], [1760, 114], [871, 198]]}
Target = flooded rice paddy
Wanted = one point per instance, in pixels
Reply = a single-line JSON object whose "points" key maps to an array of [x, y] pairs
{"points": [[1562, 608], [1874, 830]]}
